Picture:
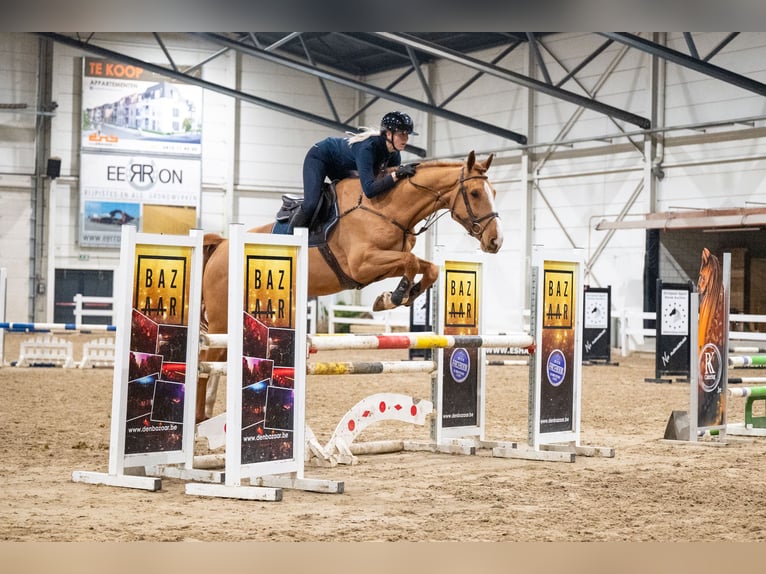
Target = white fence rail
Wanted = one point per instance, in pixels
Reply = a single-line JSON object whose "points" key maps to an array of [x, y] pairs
{"points": [[632, 331], [386, 320], [86, 306]]}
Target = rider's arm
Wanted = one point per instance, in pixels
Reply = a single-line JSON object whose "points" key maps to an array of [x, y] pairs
{"points": [[365, 164]]}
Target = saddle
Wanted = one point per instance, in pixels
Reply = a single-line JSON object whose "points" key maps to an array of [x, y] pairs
{"points": [[322, 221]]}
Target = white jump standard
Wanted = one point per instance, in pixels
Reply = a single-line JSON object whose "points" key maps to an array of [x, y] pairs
{"points": [[266, 369]]}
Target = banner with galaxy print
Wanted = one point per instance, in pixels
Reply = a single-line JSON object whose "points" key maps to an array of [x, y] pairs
{"points": [[157, 315], [157, 363], [557, 352], [460, 366], [268, 353]]}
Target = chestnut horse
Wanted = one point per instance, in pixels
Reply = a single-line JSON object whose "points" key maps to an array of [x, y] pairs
{"points": [[373, 240]]}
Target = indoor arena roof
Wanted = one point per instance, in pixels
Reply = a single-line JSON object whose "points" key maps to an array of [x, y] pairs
{"points": [[353, 59]]}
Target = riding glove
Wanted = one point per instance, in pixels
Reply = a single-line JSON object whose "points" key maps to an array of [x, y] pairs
{"points": [[406, 170]]}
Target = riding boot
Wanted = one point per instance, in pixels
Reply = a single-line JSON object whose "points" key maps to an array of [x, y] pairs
{"points": [[299, 219]]}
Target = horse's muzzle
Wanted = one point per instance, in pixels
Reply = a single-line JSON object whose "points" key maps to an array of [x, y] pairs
{"points": [[492, 238]]}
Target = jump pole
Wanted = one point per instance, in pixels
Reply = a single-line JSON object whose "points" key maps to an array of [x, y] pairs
{"points": [[363, 367], [3, 300], [54, 327], [747, 361]]}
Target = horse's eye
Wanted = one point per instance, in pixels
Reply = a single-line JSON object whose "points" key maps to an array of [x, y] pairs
{"points": [[475, 193]]}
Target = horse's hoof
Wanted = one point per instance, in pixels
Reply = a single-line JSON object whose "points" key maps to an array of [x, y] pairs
{"points": [[383, 302]]}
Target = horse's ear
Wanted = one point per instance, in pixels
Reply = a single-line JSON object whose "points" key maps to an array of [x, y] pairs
{"points": [[471, 160], [488, 161]]}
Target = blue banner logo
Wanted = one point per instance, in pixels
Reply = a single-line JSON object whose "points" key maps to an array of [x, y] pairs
{"points": [[460, 365], [556, 367]]}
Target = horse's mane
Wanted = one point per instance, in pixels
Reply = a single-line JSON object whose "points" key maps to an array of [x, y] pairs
{"points": [[440, 163], [450, 163]]}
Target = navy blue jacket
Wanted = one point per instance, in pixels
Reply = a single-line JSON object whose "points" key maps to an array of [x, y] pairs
{"points": [[367, 157]]}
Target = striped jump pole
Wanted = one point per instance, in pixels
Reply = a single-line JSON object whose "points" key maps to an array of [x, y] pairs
{"points": [[396, 341], [370, 368], [342, 368], [506, 362], [55, 327], [359, 367], [747, 350], [758, 392], [757, 424], [418, 341], [746, 380], [748, 361]]}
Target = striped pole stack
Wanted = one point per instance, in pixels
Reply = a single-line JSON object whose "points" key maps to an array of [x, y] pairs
{"points": [[55, 327], [748, 361], [757, 392], [418, 341]]}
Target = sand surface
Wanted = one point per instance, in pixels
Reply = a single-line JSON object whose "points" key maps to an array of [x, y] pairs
{"points": [[56, 421]]}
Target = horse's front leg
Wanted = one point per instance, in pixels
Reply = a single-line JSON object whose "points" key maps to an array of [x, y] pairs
{"points": [[429, 274], [406, 292], [374, 266]]}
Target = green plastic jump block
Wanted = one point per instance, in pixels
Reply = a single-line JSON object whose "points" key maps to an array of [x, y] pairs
{"points": [[750, 420]]}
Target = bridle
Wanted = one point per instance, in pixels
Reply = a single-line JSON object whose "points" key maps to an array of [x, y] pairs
{"points": [[472, 223]]}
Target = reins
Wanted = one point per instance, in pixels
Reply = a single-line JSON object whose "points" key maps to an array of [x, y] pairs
{"points": [[472, 222]]}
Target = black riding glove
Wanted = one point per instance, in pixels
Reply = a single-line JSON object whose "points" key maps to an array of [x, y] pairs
{"points": [[407, 170]]}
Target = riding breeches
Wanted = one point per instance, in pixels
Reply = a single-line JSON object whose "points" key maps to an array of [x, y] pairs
{"points": [[314, 173]]}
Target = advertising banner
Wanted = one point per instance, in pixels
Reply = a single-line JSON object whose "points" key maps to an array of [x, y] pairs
{"points": [[128, 109], [155, 358], [673, 325], [140, 153], [269, 353], [596, 324], [157, 194], [712, 340], [557, 352], [158, 349], [460, 391]]}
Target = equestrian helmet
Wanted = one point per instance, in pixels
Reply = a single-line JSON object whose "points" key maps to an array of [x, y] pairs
{"points": [[398, 122]]}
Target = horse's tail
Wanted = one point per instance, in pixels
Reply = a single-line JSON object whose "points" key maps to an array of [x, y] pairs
{"points": [[210, 243]]}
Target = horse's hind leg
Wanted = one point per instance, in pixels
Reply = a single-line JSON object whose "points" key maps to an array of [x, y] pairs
{"points": [[207, 385]]}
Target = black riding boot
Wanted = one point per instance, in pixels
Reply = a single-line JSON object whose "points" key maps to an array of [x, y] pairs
{"points": [[299, 219]]}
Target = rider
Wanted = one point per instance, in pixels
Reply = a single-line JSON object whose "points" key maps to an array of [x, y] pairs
{"points": [[367, 153]]}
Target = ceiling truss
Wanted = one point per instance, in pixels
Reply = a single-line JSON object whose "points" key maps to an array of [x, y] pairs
{"points": [[347, 58]]}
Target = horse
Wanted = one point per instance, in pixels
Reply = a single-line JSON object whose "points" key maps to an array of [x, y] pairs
{"points": [[372, 240]]}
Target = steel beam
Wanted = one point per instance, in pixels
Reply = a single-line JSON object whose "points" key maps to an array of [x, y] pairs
{"points": [[686, 61], [106, 53], [457, 57], [361, 86]]}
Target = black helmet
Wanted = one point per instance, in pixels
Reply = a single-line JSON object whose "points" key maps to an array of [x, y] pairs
{"points": [[397, 122]]}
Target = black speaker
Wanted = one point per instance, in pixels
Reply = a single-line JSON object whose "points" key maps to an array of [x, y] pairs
{"points": [[54, 167]]}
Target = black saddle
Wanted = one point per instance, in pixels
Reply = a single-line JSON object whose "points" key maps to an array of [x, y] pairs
{"points": [[322, 220]]}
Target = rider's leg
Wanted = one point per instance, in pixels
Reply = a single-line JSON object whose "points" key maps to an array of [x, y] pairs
{"points": [[314, 171]]}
